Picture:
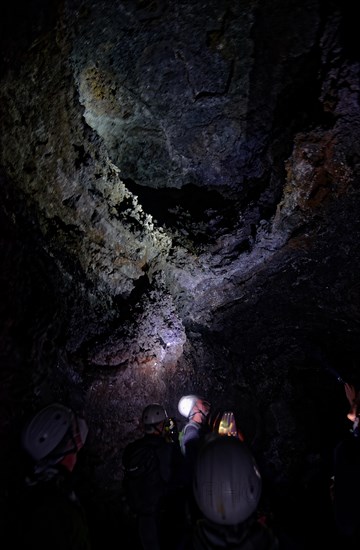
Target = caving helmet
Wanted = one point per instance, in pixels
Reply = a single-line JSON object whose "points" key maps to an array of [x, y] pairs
{"points": [[54, 432], [152, 415], [191, 404], [227, 484]]}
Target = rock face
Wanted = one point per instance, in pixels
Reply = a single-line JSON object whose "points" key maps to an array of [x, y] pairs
{"points": [[180, 213]]}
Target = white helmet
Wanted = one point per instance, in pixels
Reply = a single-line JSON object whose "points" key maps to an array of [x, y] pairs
{"points": [[46, 430], [227, 484], [186, 404], [153, 414]]}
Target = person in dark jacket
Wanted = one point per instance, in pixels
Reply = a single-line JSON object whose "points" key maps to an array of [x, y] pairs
{"points": [[47, 512], [196, 410], [346, 477], [153, 481], [227, 488]]}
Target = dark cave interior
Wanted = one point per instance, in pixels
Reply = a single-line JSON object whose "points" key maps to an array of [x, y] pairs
{"points": [[179, 214]]}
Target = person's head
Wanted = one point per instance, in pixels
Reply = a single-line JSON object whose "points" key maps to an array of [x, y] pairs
{"points": [[54, 436], [354, 416], [227, 484], [153, 419], [194, 407]]}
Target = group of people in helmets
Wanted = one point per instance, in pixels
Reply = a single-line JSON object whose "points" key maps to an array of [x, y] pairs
{"points": [[204, 479], [205, 474], [222, 484]]}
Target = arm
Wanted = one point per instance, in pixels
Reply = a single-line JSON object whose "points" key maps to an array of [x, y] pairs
{"points": [[352, 396]]}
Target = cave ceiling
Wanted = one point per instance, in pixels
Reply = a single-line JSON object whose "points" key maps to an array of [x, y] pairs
{"points": [[180, 212]]}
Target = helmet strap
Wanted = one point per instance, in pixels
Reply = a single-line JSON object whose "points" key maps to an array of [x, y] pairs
{"points": [[198, 411]]}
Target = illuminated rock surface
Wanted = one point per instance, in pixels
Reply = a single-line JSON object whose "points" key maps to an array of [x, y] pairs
{"points": [[180, 213]]}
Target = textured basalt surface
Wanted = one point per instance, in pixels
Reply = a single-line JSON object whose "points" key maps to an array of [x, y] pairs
{"points": [[180, 213]]}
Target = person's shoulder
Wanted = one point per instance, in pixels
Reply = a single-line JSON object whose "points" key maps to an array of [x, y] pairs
{"points": [[262, 536], [132, 447], [191, 427], [46, 498], [347, 455], [348, 443], [140, 449], [151, 442], [135, 444], [249, 535], [161, 447]]}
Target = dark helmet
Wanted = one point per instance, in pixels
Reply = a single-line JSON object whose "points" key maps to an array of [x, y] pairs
{"points": [[227, 484], [50, 431], [154, 414]]}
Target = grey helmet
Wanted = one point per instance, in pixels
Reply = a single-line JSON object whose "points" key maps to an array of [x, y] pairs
{"points": [[153, 414], [227, 484], [46, 430]]}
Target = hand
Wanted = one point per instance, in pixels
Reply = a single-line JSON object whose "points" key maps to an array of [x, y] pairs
{"points": [[171, 430], [332, 488], [350, 393]]}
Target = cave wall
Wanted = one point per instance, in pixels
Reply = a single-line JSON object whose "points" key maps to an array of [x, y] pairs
{"points": [[180, 213]]}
